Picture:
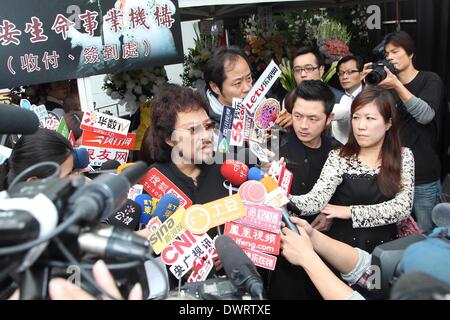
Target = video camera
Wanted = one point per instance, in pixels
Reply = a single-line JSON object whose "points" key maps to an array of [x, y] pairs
{"points": [[52, 224]]}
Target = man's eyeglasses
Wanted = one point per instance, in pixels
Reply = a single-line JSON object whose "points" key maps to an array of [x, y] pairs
{"points": [[308, 69], [346, 72]]}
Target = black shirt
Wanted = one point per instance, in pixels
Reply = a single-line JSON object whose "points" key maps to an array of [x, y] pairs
{"points": [[289, 282], [209, 183], [423, 139]]}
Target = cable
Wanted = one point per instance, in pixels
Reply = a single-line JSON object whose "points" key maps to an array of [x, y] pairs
{"points": [[28, 245], [35, 166], [83, 272], [89, 266]]}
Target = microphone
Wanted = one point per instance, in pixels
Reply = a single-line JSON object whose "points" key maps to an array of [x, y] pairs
{"points": [[252, 191], [114, 243], [16, 120], [110, 165], [238, 267], [234, 171], [106, 193], [270, 184], [128, 216], [122, 167], [255, 173], [80, 158], [147, 205], [166, 206], [441, 215]]}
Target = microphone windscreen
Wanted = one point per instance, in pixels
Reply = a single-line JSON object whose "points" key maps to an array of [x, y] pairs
{"points": [[419, 286], [441, 215], [255, 173], [110, 165], [234, 171], [15, 120], [166, 206], [269, 183], [80, 158], [124, 166], [147, 205], [127, 216], [252, 191]]}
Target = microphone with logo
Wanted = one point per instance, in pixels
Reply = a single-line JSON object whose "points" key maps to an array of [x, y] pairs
{"points": [[235, 173], [148, 206], [238, 267], [127, 216]]}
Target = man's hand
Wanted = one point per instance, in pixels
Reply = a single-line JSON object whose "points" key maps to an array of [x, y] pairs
{"points": [[321, 222], [391, 81], [62, 289], [284, 119]]}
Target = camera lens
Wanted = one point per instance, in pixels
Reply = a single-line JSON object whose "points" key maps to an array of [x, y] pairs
{"points": [[377, 75]]}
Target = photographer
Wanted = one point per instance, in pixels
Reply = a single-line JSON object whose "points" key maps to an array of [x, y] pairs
{"points": [[420, 97]]}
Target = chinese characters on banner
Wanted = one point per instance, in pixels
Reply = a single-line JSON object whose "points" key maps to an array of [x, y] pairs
{"points": [[47, 41], [106, 138], [157, 184]]}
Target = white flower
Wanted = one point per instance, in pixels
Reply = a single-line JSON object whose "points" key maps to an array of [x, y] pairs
{"points": [[115, 95]]}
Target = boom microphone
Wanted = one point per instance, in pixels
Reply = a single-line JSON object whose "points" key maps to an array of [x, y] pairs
{"points": [[15, 120], [238, 267], [106, 193]]}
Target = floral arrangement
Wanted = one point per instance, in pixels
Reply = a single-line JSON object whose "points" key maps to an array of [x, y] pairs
{"points": [[194, 62], [332, 38], [134, 87], [261, 46]]}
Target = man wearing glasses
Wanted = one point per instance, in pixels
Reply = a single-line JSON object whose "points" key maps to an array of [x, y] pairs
{"points": [[349, 71], [308, 64]]}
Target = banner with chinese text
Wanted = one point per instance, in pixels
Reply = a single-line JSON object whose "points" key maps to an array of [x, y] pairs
{"points": [[50, 40]]}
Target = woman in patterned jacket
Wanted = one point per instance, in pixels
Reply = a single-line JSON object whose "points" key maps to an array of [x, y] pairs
{"points": [[367, 186]]}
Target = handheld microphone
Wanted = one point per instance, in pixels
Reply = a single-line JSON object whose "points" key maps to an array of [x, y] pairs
{"points": [[80, 158], [114, 243], [238, 267], [122, 167], [234, 171], [287, 221], [147, 205], [271, 185], [128, 216], [255, 173], [166, 206], [16, 120], [110, 165]]}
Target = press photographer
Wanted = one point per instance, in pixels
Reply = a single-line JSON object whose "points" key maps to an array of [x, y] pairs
{"points": [[420, 98]]}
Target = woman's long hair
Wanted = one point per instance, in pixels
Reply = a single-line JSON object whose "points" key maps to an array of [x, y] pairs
{"points": [[43, 145], [389, 178]]}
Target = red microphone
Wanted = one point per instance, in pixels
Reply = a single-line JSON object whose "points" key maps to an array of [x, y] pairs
{"points": [[234, 171]]}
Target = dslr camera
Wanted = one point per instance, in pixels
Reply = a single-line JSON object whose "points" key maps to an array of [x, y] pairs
{"points": [[378, 74]]}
